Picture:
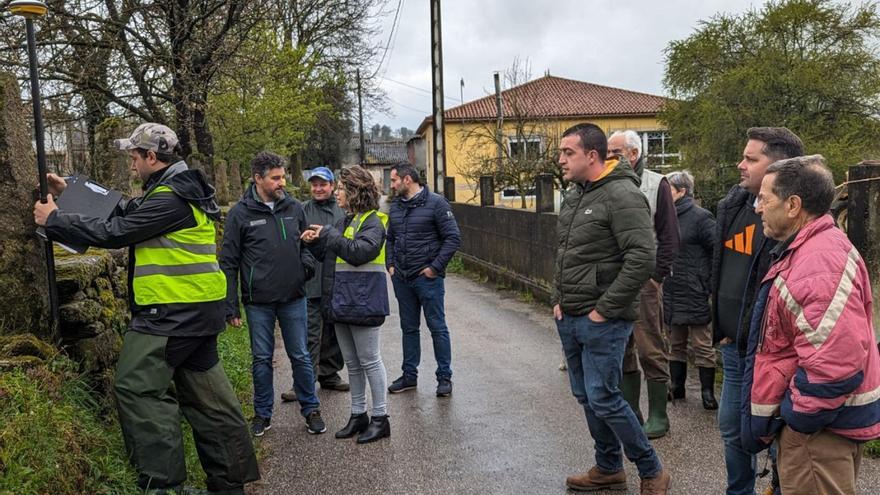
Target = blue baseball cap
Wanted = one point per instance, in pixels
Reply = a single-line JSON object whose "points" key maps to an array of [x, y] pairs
{"points": [[322, 173]]}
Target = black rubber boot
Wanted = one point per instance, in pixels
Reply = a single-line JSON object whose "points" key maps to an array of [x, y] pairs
{"points": [[707, 384], [357, 423], [678, 372], [379, 428]]}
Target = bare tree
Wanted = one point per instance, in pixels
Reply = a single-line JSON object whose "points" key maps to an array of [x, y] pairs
{"points": [[155, 61], [161, 60], [528, 141]]}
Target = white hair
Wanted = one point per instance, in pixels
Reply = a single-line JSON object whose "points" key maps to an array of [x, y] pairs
{"points": [[632, 140]]}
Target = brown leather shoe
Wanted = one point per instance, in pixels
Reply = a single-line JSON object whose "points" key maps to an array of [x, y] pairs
{"points": [[658, 485], [594, 479]]}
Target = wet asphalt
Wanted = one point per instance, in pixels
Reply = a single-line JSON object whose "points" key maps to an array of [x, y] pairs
{"points": [[510, 427]]}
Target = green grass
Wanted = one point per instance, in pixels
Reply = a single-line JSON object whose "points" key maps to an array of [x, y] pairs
{"points": [[57, 437], [872, 448], [53, 438], [456, 265]]}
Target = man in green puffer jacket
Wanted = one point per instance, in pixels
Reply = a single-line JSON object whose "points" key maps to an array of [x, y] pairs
{"points": [[605, 254]]}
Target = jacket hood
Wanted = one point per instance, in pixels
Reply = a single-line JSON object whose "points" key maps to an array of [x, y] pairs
{"points": [[622, 171], [684, 205], [329, 202], [191, 185], [736, 197], [251, 199], [639, 167]]}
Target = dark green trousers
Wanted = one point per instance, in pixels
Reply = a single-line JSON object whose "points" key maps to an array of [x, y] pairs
{"points": [[323, 346], [151, 395]]}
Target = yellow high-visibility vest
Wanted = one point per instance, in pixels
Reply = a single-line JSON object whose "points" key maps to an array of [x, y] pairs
{"points": [[181, 266], [350, 231]]}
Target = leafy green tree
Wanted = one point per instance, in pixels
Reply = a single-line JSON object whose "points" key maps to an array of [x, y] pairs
{"points": [[270, 102], [809, 65], [330, 138]]}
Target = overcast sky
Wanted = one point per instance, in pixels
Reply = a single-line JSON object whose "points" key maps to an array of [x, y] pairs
{"points": [[617, 44]]}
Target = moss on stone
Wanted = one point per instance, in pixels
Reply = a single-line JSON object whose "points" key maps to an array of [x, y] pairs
{"points": [[76, 273], [80, 313], [98, 353], [19, 362], [25, 344]]}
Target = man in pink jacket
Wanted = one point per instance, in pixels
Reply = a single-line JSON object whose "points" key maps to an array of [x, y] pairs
{"points": [[816, 380]]}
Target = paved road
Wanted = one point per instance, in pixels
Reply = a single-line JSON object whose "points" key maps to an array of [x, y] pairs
{"points": [[511, 426]]}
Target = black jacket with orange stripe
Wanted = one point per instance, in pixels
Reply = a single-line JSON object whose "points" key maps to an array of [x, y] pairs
{"points": [[736, 198]]}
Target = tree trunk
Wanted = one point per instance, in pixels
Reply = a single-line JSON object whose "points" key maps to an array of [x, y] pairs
{"points": [[235, 186], [221, 183], [24, 290], [204, 139]]}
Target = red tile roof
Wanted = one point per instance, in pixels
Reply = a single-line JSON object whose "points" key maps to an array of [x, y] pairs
{"points": [[557, 97]]}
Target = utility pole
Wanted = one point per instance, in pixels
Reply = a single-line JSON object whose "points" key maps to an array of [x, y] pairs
{"points": [[363, 151], [439, 126], [499, 125]]}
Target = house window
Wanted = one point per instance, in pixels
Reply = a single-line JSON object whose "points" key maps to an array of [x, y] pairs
{"points": [[660, 150], [524, 148]]}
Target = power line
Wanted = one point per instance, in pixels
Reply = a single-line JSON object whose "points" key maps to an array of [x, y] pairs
{"points": [[423, 112], [456, 100], [390, 37]]}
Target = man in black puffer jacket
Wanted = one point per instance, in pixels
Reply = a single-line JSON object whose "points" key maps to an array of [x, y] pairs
{"points": [[422, 238], [262, 249]]}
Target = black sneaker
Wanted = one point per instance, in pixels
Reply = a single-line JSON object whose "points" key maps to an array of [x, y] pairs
{"points": [[444, 387], [314, 423], [260, 425], [403, 384]]}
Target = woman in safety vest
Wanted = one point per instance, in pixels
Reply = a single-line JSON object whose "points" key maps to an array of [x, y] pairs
{"points": [[356, 296]]}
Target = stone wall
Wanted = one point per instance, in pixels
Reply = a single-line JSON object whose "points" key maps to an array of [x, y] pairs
{"points": [[94, 311]]}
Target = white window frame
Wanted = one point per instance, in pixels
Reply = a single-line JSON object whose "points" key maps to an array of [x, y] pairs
{"points": [[664, 135], [513, 193]]}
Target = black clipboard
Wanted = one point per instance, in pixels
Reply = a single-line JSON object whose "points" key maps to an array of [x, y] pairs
{"points": [[87, 198]]}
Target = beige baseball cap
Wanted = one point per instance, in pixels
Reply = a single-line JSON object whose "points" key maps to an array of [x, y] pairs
{"points": [[149, 136]]}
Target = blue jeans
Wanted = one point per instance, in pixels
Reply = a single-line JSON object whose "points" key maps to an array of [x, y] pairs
{"points": [[293, 320], [741, 466], [594, 354], [413, 296]]}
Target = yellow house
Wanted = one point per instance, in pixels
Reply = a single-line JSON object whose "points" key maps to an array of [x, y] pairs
{"points": [[534, 116]]}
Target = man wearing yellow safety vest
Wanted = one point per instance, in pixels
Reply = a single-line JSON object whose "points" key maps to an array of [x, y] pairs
{"points": [[169, 362]]}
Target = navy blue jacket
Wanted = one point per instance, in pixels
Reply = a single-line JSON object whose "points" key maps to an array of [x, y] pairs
{"points": [[422, 233], [359, 296]]}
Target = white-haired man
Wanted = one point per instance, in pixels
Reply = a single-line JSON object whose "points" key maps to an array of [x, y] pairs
{"points": [[648, 337]]}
